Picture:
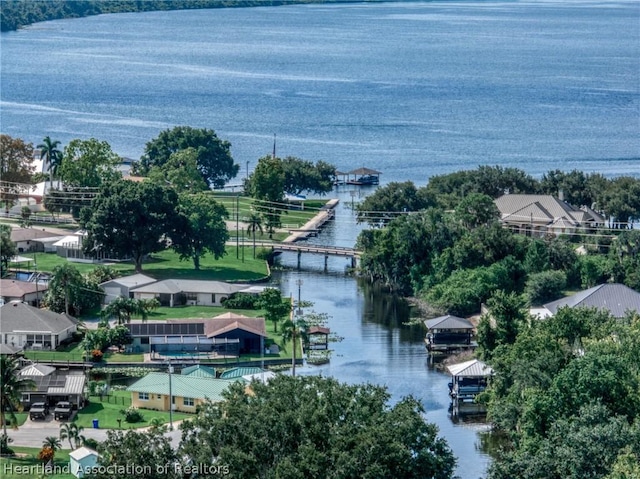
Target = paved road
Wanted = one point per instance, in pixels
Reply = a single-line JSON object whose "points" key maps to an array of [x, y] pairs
{"points": [[32, 433]]}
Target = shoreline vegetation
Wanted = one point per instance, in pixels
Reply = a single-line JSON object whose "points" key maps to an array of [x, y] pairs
{"points": [[16, 14]]}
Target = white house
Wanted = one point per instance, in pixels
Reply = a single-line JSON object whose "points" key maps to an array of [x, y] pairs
{"points": [[123, 286], [82, 460], [175, 292]]}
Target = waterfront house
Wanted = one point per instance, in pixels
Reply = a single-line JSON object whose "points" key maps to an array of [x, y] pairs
{"points": [[178, 292], [185, 392], [22, 291], [615, 298], [122, 286], [53, 385], [227, 334], [537, 215], [27, 327], [448, 333], [82, 460]]}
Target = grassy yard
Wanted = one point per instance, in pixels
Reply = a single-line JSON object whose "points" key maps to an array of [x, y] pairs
{"points": [[167, 264], [242, 206], [21, 418], [27, 465], [74, 352], [107, 412]]}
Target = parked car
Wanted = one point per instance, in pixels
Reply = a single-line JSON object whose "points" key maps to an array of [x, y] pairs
{"points": [[38, 410], [62, 410]]}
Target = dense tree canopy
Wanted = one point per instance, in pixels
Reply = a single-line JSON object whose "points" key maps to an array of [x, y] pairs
{"points": [[391, 200], [89, 164], [266, 184], [129, 219], [302, 175], [180, 172], [312, 427], [566, 394], [214, 160]]}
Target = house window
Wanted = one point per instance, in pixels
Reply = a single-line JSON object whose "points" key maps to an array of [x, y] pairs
{"points": [[189, 402], [143, 396], [192, 296], [213, 298]]}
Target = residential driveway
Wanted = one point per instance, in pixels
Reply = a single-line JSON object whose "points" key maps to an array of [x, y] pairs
{"points": [[32, 433]]}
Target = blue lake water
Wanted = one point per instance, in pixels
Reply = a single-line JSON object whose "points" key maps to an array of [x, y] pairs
{"points": [[412, 89]]}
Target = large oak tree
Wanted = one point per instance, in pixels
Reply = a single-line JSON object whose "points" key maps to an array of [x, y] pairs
{"points": [[130, 219], [214, 159], [201, 228]]}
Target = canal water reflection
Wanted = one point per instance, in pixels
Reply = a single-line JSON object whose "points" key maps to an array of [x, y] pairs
{"points": [[378, 345]]}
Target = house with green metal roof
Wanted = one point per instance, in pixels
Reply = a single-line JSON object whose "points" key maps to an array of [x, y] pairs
{"points": [[157, 390], [236, 373], [199, 371]]}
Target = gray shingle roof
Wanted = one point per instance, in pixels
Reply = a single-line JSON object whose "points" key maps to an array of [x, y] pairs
{"points": [[613, 297], [130, 281], [20, 317], [173, 286], [448, 322], [543, 209]]}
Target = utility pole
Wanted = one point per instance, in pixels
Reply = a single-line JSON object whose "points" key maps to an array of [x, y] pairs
{"points": [[170, 398], [237, 226]]}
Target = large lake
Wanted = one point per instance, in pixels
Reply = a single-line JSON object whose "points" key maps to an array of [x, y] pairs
{"points": [[412, 89]]}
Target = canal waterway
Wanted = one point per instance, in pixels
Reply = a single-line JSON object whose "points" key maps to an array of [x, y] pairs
{"points": [[377, 345]]}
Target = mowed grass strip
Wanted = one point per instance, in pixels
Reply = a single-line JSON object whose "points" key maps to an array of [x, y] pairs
{"points": [[107, 412], [167, 265]]}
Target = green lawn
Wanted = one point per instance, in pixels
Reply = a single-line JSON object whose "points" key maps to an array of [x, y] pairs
{"points": [[167, 264], [189, 312], [241, 206], [21, 418], [26, 464], [107, 412], [74, 352]]}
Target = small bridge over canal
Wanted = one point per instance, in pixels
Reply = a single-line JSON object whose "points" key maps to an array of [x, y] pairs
{"points": [[326, 251]]}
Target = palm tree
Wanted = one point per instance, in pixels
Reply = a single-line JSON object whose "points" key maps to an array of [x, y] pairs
{"points": [[52, 156], [294, 329], [71, 431], [11, 387], [122, 309], [255, 223], [52, 442]]}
